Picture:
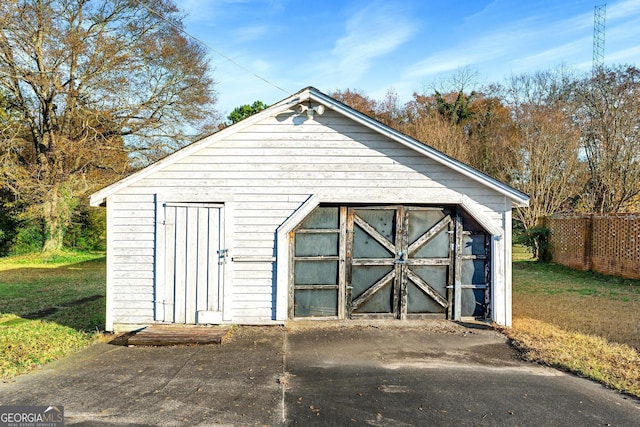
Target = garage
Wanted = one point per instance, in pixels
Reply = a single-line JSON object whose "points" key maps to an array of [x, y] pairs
{"points": [[390, 262], [307, 210]]}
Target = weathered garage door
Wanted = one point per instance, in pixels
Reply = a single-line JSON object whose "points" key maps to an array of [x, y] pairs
{"points": [[390, 261], [192, 255], [399, 259]]}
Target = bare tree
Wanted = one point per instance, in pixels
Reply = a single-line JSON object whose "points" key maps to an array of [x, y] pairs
{"points": [[464, 79], [474, 128], [608, 115], [93, 84], [547, 166], [357, 100]]}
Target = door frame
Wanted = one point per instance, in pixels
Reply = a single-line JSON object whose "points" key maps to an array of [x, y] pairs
{"points": [[454, 283], [447, 225]]}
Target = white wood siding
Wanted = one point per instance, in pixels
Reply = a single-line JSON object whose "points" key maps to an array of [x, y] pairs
{"points": [[264, 174], [131, 259]]}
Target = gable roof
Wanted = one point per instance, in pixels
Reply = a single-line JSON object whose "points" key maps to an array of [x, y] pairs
{"points": [[312, 94]]}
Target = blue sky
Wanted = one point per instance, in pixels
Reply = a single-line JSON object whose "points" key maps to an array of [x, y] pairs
{"points": [[404, 45]]}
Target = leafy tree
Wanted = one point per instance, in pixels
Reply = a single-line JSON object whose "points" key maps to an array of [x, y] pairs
{"points": [[93, 84], [569, 143], [475, 129], [456, 111], [244, 111], [87, 229], [491, 133], [8, 223], [424, 123]]}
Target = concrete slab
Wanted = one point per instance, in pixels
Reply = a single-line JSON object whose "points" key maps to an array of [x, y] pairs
{"points": [[426, 375], [235, 383], [391, 374]]}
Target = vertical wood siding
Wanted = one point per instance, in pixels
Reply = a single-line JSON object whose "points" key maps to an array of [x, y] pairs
{"points": [[267, 171]]}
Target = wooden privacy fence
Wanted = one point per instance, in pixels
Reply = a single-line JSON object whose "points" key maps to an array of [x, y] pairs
{"points": [[606, 243]]}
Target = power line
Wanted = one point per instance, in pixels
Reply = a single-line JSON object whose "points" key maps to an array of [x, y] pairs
{"points": [[217, 52]]}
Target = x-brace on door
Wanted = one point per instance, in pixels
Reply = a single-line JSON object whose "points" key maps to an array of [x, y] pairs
{"points": [[390, 261], [399, 261]]}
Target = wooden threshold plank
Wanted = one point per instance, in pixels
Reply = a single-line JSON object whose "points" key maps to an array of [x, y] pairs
{"points": [[159, 335]]}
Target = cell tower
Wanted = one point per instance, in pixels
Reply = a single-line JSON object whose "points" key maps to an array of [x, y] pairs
{"points": [[599, 19]]}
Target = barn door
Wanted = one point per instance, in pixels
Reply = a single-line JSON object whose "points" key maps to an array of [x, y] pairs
{"points": [[373, 249], [427, 270], [193, 256], [390, 261], [399, 261]]}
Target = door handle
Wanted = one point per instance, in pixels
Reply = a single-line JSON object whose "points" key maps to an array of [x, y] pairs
{"points": [[222, 256]]}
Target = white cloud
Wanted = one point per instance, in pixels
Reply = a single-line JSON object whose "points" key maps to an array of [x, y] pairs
{"points": [[249, 34], [623, 55], [368, 49], [199, 11], [556, 55], [213, 11], [622, 9], [478, 50], [372, 32], [532, 40], [488, 9]]}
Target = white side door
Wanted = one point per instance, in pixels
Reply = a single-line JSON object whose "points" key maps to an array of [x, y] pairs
{"points": [[193, 264]]}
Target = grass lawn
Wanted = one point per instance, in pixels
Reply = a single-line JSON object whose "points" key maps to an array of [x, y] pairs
{"points": [[583, 322], [50, 305]]}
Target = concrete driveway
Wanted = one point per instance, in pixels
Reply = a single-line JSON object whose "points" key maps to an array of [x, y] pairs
{"points": [[380, 374]]}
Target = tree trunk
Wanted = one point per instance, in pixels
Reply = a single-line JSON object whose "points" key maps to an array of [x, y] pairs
{"points": [[56, 214], [54, 236]]}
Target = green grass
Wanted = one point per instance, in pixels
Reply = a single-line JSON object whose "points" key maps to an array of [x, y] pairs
{"points": [[50, 305], [26, 344], [578, 301], [53, 259], [584, 322], [521, 253], [551, 279]]}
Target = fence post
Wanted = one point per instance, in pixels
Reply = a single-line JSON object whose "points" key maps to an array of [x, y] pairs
{"points": [[587, 259]]}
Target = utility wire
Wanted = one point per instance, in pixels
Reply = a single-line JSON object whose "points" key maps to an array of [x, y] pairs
{"points": [[216, 51]]}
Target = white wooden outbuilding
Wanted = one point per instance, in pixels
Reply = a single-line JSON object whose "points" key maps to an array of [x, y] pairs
{"points": [[307, 210]]}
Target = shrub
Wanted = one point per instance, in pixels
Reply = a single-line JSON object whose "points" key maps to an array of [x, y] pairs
{"points": [[537, 240], [29, 238], [87, 229]]}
